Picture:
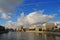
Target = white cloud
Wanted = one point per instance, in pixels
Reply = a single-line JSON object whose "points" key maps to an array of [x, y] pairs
{"points": [[5, 16], [10, 24], [36, 17], [31, 18]]}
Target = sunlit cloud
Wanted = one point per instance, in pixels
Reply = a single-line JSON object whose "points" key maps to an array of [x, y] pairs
{"points": [[37, 17], [10, 24]]}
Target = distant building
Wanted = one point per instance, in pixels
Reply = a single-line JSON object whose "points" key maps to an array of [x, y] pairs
{"points": [[35, 28], [2, 28], [48, 26]]}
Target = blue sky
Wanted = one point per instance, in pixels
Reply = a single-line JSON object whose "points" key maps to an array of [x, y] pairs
{"points": [[27, 6], [49, 7]]}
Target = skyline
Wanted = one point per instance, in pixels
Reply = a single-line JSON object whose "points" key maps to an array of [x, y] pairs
{"points": [[48, 8]]}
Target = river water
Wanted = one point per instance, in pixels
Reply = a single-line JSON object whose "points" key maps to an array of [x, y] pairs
{"points": [[28, 36]]}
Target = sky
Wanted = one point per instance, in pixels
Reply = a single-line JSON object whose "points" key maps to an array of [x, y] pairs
{"points": [[33, 11]]}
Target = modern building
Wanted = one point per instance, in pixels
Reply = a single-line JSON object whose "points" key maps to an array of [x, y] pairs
{"points": [[48, 26]]}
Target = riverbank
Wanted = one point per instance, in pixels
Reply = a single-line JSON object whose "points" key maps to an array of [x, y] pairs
{"points": [[45, 32], [1, 32]]}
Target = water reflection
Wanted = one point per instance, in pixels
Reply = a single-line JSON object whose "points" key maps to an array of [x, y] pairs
{"points": [[49, 37], [28, 36]]}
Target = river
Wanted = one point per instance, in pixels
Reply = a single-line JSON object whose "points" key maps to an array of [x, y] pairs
{"points": [[28, 36]]}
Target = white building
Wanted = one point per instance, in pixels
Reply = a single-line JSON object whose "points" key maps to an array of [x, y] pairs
{"points": [[48, 26]]}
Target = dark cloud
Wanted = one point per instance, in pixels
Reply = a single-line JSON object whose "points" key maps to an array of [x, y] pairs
{"points": [[9, 5]]}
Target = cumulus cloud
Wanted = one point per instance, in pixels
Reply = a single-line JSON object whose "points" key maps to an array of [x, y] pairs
{"points": [[33, 18], [10, 24]]}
